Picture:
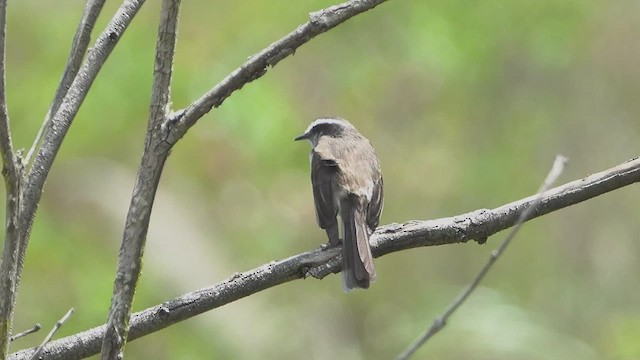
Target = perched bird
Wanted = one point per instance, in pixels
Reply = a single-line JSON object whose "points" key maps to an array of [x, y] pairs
{"points": [[346, 181]]}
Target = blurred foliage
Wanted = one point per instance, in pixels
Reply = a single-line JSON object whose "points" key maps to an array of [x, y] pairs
{"points": [[466, 102]]}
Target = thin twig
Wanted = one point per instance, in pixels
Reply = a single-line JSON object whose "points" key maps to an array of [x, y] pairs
{"points": [[5, 133], [53, 331], [441, 321], [79, 47], [34, 329], [476, 225], [38, 138], [153, 159], [257, 65], [72, 101]]}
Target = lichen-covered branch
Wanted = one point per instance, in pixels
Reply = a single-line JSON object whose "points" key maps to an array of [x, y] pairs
{"points": [[476, 225], [155, 154], [12, 172]]}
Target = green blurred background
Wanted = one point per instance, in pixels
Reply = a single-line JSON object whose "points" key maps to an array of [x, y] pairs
{"points": [[467, 104]]}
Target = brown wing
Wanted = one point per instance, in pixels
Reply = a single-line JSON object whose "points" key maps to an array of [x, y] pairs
{"points": [[375, 206], [322, 172]]}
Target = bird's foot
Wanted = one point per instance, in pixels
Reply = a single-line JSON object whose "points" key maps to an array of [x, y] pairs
{"points": [[329, 245]]}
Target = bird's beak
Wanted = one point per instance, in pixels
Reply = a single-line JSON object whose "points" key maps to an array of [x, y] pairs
{"points": [[302, 137]]}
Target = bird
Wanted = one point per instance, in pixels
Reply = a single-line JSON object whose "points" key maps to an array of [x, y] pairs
{"points": [[347, 182]]}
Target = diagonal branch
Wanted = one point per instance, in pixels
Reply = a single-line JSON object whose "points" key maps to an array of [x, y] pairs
{"points": [[24, 193], [71, 103], [476, 225], [153, 159], [47, 339], [78, 48], [258, 64]]}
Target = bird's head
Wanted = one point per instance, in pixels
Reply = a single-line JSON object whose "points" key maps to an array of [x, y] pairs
{"points": [[327, 126]]}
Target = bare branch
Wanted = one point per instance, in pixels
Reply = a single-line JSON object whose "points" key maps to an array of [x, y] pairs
{"points": [[6, 148], [161, 136], [258, 64], [23, 199], [441, 321], [477, 225], [12, 172], [78, 48], [152, 163], [33, 330], [71, 103], [30, 195], [9, 273], [53, 331]]}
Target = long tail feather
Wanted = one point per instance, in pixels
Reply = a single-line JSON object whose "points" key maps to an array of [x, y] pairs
{"points": [[357, 263]]}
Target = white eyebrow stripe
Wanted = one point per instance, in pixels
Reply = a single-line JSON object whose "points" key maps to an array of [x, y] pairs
{"points": [[325, 121]]}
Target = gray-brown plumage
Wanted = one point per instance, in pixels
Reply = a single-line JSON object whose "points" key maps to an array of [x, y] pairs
{"points": [[346, 181]]}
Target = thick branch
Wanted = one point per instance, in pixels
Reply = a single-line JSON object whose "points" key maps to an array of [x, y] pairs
{"points": [[153, 159], [477, 225], [11, 170], [9, 265], [78, 48], [258, 64]]}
